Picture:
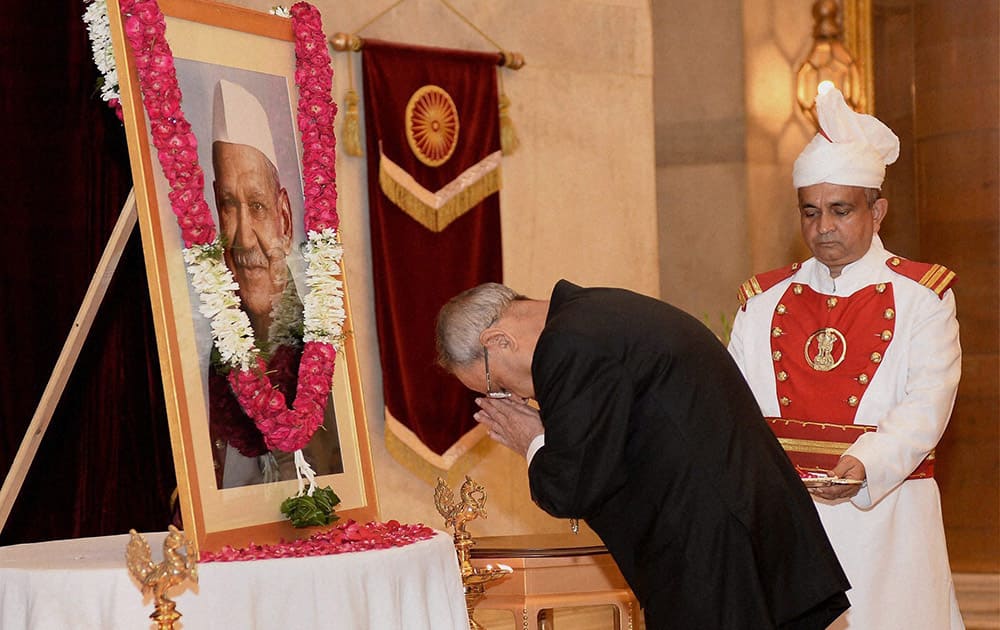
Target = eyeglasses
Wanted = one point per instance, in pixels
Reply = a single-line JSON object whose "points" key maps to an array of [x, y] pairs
{"points": [[489, 381]]}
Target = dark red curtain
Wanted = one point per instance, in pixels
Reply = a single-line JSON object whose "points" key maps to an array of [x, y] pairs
{"points": [[417, 270], [105, 464]]}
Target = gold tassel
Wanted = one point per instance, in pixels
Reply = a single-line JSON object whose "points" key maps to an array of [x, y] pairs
{"points": [[508, 135], [352, 129]]}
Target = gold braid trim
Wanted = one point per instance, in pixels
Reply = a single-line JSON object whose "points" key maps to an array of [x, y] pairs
{"points": [[938, 279], [749, 289], [435, 211], [813, 446]]}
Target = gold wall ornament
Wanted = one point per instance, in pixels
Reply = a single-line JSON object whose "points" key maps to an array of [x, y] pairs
{"points": [[432, 125], [472, 505], [859, 38], [158, 579], [828, 60]]}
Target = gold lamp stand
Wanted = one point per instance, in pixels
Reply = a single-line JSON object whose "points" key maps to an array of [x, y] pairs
{"points": [[160, 578], [472, 505]]}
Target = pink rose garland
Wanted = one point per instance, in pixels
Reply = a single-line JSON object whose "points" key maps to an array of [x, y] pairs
{"points": [[176, 145], [317, 110], [177, 150]]}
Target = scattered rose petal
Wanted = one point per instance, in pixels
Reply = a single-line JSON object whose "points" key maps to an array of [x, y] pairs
{"points": [[344, 538]]}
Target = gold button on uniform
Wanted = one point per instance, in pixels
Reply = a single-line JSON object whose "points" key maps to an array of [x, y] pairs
{"points": [[780, 310], [831, 302], [889, 313], [886, 335], [895, 262], [853, 401], [782, 376], [797, 289], [876, 357], [775, 332], [880, 287], [785, 401], [863, 379], [776, 355]]}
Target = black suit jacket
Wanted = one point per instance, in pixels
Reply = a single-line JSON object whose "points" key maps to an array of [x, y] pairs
{"points": [[653, 437]]}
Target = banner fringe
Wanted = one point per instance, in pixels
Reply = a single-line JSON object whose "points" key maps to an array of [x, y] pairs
{"points": [[437, 219], [407, 449]]}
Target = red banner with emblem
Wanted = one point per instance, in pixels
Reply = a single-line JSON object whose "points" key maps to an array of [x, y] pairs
{"points": [[433, 151]]}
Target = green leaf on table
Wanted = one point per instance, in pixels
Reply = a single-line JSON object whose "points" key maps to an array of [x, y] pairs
{"points": [[306, 511]]}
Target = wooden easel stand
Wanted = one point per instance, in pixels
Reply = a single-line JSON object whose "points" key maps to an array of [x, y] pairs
{"points": [[67, 358]]}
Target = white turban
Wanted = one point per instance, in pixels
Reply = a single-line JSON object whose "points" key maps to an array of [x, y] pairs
{"points": [[851, 150], [239, 118]]}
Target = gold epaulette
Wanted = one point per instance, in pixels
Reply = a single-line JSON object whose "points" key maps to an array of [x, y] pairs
{"points": [[937, 278], [764, 281]]}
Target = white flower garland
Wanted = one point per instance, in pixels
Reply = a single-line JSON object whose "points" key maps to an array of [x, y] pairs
{"points": [[220, 304], [99, 31], [323, 309]]}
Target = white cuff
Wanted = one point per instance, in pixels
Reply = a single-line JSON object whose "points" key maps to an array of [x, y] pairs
{"points": [[537, 443]]}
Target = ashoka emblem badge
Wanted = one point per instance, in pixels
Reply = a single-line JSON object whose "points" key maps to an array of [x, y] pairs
{"points": [[825, 349], [432, 125]]}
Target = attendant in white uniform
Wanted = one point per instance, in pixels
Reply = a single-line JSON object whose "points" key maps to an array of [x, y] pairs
{"points": [[854, 357]]}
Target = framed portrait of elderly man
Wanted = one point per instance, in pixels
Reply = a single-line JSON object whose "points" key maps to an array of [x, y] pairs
{"points": [[236, 73]]}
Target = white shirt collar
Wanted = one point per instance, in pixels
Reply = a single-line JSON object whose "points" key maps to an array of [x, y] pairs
{"points": [[853, 276]]}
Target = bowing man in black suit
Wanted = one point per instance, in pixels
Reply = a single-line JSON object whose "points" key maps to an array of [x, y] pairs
{"points": [[646, 429]]}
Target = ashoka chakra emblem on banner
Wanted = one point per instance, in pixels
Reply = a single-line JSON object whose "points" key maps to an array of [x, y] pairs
{"points": [[432, 125]]}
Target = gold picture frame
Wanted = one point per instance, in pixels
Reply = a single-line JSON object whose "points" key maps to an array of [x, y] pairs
{"points": [[211, 40]]}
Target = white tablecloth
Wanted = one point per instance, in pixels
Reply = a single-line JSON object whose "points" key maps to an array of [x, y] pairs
{"points": [[83, 583]]}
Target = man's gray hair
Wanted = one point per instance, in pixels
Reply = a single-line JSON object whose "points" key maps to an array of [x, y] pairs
{"points": [[464, 317]]}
